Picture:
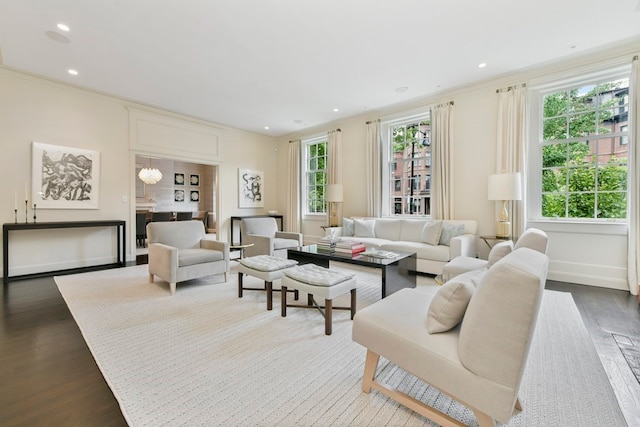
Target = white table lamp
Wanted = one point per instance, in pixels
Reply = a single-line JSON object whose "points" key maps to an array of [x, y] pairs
{"points": [[504, 187], [333, 196]]}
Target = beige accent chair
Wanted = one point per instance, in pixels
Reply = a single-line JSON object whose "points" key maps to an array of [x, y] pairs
{"points": [[480, 358], [179, 251], [532, 238], [266, 239]]}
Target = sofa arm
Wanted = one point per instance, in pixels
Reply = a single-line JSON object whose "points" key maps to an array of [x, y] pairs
{"points": [[288, 235], [262, 245], [163, 261], [464, 245]]}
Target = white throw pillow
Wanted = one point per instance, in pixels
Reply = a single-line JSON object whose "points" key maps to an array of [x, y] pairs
{"points": [[449, 231], [364, 227], [500, 251], [449, 304], [431, 233], [347, 227]]}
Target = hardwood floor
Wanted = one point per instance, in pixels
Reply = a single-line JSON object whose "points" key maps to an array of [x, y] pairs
{"points": [[49, 377]]}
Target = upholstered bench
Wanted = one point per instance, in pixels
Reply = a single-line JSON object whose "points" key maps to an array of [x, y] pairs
{"points": [[267, 268], [321, 282]]}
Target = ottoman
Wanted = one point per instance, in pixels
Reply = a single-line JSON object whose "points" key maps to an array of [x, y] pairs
{"points": [[321, 282], [267, 268]]}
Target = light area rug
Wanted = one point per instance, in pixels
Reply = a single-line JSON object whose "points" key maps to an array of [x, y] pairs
{"points": [[207, 357]]}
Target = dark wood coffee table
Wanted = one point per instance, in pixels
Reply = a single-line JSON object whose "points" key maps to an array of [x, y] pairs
{"points": [[398, 272]]}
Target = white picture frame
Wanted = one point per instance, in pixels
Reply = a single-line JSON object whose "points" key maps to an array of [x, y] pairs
{"points": [[250, 188], [64, 177]]}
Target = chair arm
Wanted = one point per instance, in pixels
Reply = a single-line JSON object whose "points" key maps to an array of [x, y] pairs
{"points": [[262, 245], [464, 245], [289, 235], [163, 261], [216, 245]]}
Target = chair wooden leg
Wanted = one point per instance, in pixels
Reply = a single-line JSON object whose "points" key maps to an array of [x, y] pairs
{"points": [[370, 367], [328, 310], [483, 419], [172, 286], [353, 303], [226, 276], [150, 278], [269, 286], [283, 304], [518, 405], [240, 285]]}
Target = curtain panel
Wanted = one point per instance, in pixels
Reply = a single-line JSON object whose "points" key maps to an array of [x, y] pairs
{"points": [[442, 163], [293, 205], [512, 132], [373, 172], [633, 187]]}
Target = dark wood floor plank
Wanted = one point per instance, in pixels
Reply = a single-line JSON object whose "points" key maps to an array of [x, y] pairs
{"points": [[49, 376]]}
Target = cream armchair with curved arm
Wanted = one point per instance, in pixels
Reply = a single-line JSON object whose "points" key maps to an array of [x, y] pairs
{"points": [[179, 251], [266, 239]]}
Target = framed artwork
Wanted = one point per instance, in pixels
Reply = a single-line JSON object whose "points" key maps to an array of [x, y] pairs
{"points": [[178, 195], [250, 188], [64, 177], [195, 195], [178, 178], [194, 180]]}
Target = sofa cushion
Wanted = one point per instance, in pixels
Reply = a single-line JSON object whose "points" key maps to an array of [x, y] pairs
{"points": [[499, 251], [412, 230], [364, 227], [387, 228], [279, 243], [423, 251], [449, 304], [450, 230], [347, 227], [369, 242], [198, 256], [431, 233]]}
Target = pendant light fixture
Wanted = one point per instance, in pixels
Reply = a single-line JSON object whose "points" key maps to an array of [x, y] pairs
{"points": [[150, 175]]}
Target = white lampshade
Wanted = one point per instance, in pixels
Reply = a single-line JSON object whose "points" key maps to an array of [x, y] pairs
{"points": [[149, 175], [334, 193], [505, 186]]}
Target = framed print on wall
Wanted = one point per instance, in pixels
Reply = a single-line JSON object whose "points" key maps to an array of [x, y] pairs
{"points": [[64, 177], [178, 178], [178, 195], [194, 180], [195, 195], [250, 188]]}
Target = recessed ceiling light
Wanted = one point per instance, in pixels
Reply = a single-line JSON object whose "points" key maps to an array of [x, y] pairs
{"points": [[482, 65], [298, 121], [335, 110], [266, 128], [63, 27], [402, 89], [72, 72]]}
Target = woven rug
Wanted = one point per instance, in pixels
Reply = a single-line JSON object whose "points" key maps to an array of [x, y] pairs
{"points": [[207, 357]]}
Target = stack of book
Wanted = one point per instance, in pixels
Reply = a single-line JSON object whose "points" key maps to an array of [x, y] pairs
{"points": [[326, 245], [349, 248]]}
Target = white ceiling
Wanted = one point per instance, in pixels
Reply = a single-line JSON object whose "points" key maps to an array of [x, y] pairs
{"points": [[287, 64]]}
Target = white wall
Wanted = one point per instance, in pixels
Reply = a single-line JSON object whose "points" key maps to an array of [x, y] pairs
{"points": [[34, 109], [585, 255]]}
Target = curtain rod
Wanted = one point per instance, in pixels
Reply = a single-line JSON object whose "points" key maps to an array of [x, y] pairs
{"points": [[294, 140], [372, 121], [635, 58], [443, 105], [507, 89]]}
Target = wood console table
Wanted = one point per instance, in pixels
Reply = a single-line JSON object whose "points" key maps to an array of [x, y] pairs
{"points": [[121, 244]]}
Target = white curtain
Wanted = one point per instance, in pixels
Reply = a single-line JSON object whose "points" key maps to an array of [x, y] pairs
{"points": [[633, 262], [442, 162], [293, 190], [512, 133], [334, 160], [373, 172]]}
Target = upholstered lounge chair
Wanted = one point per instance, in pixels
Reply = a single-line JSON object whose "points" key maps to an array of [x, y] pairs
{"points": [[179, 251], [266, 239]]}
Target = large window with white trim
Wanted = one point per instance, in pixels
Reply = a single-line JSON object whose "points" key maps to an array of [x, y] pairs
{"points": [[408, 166], [315, 175], [582, 130]]}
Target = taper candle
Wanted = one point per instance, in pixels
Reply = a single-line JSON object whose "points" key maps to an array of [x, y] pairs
{"points": [[15, 199], [26, 192]]}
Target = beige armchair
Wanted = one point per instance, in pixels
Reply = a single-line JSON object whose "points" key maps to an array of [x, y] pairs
{"points": [[266, 239], [179, 251]]}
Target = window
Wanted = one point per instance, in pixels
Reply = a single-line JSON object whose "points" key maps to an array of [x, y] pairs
{"points": [[624, 139], [408, 159], [315, 175], [584, 171]]}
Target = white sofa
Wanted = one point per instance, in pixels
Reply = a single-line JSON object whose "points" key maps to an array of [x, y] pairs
{"points": [[408, 235], [469, 338]]}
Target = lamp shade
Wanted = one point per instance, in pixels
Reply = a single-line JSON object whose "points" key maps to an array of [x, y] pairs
{"points": [[505, 186], [334, 193]]}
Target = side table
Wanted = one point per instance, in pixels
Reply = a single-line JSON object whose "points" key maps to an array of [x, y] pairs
{"points": [[493, 239], [240, 247]]}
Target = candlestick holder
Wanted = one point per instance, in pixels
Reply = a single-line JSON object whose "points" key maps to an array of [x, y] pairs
{"points": [[15, 215], [26, 211], [34, 213]]}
